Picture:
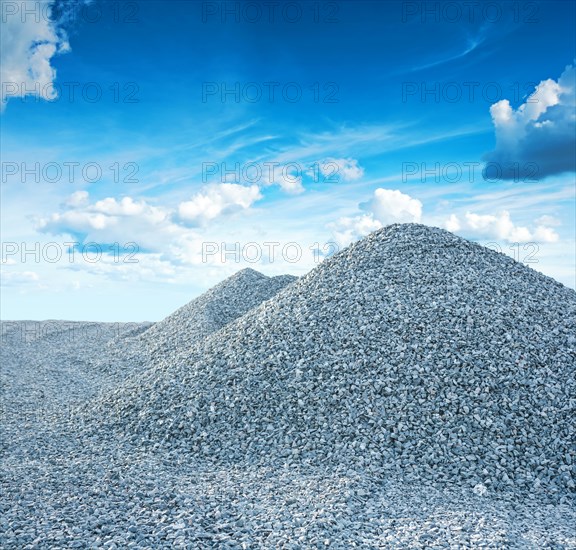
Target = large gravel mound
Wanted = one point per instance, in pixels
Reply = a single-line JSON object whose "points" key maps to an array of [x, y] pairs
{"points": [[412, 353]]}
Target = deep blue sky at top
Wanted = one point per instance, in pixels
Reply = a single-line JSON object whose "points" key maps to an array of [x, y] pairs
{"points": [[370, 50]]}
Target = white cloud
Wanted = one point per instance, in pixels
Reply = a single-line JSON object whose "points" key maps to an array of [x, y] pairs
{"points": [[29, 41], [127, 207], [79, 198], [539, 138], [107, 216], [289, 182], [10, 278], [155, 230], [217, 199], [114, 221], [545, 234], [392, 206], [347, 230], [111, 220], [287, 176], [549, 221], [500, 227], [452, 223], [387, 206]]}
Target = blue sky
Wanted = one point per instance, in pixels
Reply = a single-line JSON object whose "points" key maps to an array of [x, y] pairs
{"points": [[140, 141]]}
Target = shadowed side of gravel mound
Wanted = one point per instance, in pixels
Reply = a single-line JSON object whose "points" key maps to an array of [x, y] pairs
{"points": [[412, 352]]}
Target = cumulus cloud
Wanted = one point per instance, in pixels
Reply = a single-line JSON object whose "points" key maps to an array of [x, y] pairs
{"points": [[29, 40], [113, 221], [499, 227], [349, 229], [104, 215], [79, 198], [387, 206], [548, 220], [217, 199], [452, 223], [545, 234], [153, 229], [539, 138], [392, 206]]}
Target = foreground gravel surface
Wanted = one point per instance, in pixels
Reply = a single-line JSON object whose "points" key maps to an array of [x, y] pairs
{"points": [[86, 471]]}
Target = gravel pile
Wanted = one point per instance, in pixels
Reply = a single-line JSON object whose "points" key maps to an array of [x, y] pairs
{"points": [[415, 391], [412, 354], [212, 310], [108, 498], [174, 335]]}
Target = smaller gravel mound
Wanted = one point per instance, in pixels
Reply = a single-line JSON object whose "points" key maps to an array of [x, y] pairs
{"points": [[172, 337]]}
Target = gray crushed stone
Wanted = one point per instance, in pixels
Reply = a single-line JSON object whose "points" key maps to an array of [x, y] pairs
{"points": [[412, 353], [414, 391]]}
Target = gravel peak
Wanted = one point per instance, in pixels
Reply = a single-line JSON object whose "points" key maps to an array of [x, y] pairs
{"points": [[415, 390]]}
